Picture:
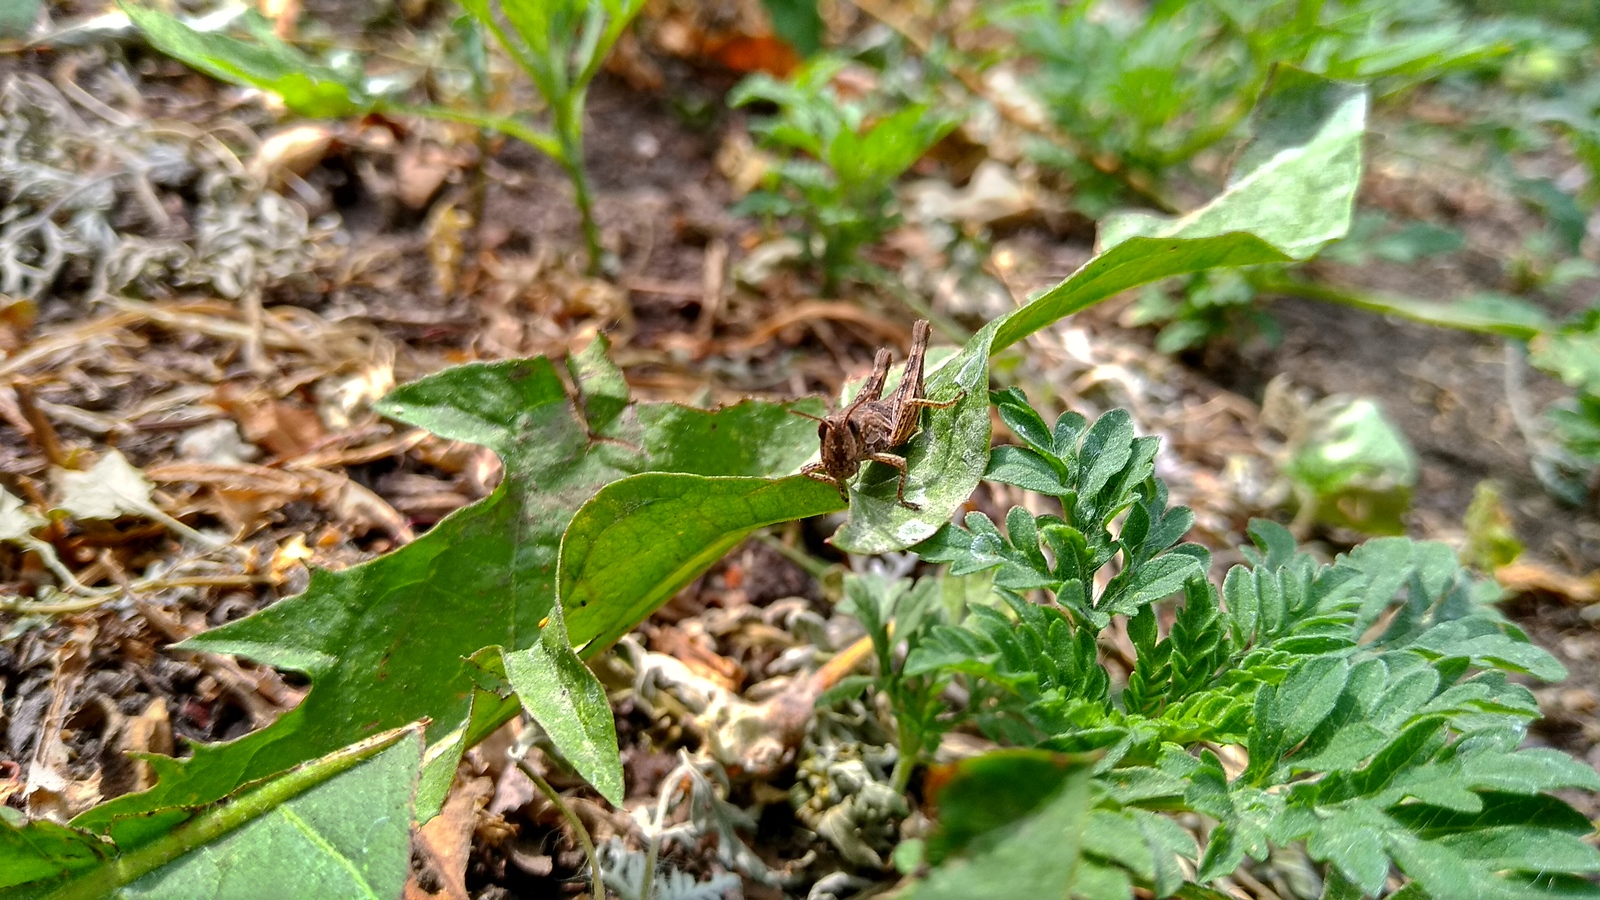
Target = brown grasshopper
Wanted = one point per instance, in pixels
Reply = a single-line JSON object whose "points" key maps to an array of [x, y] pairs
{"points": [[870, 426]]}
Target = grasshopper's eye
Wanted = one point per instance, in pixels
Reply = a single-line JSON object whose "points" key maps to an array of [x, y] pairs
{"points": [[822, 431]]}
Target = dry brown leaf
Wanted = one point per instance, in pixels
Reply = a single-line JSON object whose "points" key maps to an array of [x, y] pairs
{"points": [[294, 150], [11, 783], [281, 427], [445, 842], [16, 323], [340, 401], [446, 232], [289, 555], [1522, 577], [698, 652], [421, 169], [148, 732]]}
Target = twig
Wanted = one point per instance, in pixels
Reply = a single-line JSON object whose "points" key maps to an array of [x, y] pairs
{"points": [[44, 433], [814, 567], [1517, 399], [713, 286], [14, 604], [581, 832], [653, 851]]}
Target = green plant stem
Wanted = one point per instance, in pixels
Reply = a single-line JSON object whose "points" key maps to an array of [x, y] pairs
{"points": [[814, 567], [479, 198], [906, 757], [1426, 312], [567, 113], [222, 819], [572, 819]]}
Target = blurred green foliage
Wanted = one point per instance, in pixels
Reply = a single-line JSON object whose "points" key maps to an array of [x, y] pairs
{"points": [[839, 160]]}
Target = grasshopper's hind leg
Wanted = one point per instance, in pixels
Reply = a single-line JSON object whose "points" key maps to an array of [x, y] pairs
{"points": [[925, 403]]}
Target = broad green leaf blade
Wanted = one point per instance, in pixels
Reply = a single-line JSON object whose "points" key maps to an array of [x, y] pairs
{"points": [[641, 539], [993, 791], [1291, 193], [1131, 263], [601, 385], [945, 461], [1037, 855], [273, 66], [568, 702], [1294, 184], [38, 851], [387, 642], [485, 403], [336, 827], [764, 440]]}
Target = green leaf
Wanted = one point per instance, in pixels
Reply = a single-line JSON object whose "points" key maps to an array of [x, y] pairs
{"points": [[42, 850], [1522, 847], [1291, 193], [1353, 465], [1528, 772], [1036, 855], [641, 539], [1012, 404], [1488, 646], [1156, 579], [1573, 353], [387, 642], [945, 461], [992, 791], [798, 22], [1352, 839], [336, 827], [1499, 810], [270, 65], [568, 702], [1025, 469]]}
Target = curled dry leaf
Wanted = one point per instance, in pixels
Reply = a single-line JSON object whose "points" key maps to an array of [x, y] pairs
{"points": [[294, 150], [444, 845], [17, 520], [281, 427], [148, 732], [421, 169], [113, 489], [17, 523]]}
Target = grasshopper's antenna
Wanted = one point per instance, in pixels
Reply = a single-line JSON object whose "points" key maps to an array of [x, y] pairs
{"points": [[805, 415]]}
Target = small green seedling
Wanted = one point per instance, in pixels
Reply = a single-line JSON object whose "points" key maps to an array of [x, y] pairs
{"points": [[559, 44], [841, 160]]}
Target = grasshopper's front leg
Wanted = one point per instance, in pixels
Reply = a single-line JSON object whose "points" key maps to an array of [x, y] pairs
{"points": [[818, 472]]}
